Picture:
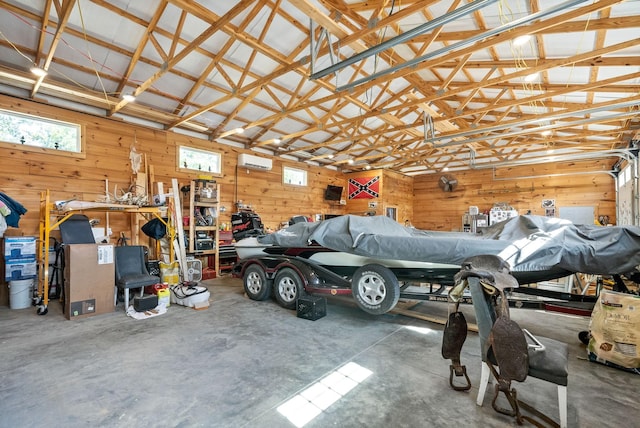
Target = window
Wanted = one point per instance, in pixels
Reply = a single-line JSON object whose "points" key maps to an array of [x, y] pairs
{"points": [[294, 176], [392, 213], [200, 160], [27, 130]]}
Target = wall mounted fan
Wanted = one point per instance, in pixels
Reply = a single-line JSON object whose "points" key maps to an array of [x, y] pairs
{"points": [[447, 183]]}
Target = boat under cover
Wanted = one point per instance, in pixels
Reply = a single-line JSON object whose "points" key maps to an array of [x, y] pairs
{"points": [[528, 243]]}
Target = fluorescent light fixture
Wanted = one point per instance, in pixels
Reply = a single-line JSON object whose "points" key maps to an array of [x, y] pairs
{"points": [[231, 132], [38, 71], [519, 41], [195, 126], [128, 98]]}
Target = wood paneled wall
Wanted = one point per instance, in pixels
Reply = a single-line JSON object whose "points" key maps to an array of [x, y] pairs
{"points": [[277, 202], [265, 191], [571, 184], [24, 174]]}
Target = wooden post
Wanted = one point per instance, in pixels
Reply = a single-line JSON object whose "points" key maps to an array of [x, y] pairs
{"points": [[182, 252]]}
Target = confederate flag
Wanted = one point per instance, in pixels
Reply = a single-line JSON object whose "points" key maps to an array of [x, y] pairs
{"points": [[364, 187]]}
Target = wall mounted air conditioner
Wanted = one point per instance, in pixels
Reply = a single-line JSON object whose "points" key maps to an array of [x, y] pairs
{"points": [[254, 162]]}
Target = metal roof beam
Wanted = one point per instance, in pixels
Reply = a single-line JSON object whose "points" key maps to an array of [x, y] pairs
{"points": [[407, 35], [448, 49]]}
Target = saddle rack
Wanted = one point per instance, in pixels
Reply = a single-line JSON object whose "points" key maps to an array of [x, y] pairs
{"points": [[508, 352]]}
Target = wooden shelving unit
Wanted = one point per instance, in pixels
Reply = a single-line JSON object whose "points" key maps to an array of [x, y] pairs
{"points": [[204, 210]]}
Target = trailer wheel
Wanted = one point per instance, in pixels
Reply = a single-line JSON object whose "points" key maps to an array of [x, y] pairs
{"points": [[375, 289], [255, 283], [288, 288]]}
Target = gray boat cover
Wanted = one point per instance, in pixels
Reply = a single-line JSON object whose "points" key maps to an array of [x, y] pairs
{"points": [[528, 243]]}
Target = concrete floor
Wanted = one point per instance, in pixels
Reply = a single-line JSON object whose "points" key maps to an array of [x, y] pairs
{"points": [[236, 363]]}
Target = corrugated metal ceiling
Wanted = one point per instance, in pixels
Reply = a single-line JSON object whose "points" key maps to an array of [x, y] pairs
{"points": [[470, 92]]}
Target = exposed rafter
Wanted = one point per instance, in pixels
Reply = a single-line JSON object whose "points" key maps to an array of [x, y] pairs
{"points": [[215, 67]]}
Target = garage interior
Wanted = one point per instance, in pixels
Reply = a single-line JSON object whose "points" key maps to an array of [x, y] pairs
{"points": [[441, 115]]}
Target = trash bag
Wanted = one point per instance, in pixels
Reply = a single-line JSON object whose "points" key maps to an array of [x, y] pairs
{"points": [[154, 228]]}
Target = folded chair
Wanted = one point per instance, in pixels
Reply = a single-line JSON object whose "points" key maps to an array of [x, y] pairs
{"points": [[508, 352], [131, 271], [74, 230]]}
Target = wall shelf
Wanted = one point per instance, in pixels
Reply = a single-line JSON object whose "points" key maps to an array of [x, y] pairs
{"points": [[203, 213]]}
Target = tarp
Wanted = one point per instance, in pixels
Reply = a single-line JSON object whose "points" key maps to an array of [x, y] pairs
{"points": [[527, 243]]}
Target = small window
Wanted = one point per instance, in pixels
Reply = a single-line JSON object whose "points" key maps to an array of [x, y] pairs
{"points": [[200, 160], [627, 174], [27, 130], [294, 176], [624, 177], [392, 213]]}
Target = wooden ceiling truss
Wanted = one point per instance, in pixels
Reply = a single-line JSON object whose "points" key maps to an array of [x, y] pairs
{"points": [[257, 65]]}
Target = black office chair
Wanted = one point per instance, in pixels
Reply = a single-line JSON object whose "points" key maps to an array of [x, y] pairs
{"points": [[77, 230], [131, 271], [74, 230]]}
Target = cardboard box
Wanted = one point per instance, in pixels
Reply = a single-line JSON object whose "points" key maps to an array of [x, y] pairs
{"points": [[19, 247], [17, 269], [82, 307], [89, 280]]}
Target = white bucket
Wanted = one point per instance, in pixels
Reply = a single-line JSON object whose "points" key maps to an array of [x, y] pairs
{"points": [[20, 293]]}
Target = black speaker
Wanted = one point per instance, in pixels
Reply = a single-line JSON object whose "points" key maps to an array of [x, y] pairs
{"points": [[145, 303]]}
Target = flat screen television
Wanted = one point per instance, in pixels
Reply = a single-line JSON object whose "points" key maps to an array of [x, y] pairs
{"points": [[333, 193]]}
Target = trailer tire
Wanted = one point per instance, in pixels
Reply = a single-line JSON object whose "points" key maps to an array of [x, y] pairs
{"points": [[255, 283], [288, 288], [375, 289]]}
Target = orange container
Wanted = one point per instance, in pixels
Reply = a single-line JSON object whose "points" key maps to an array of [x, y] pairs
{"points": [[153, 289]]}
